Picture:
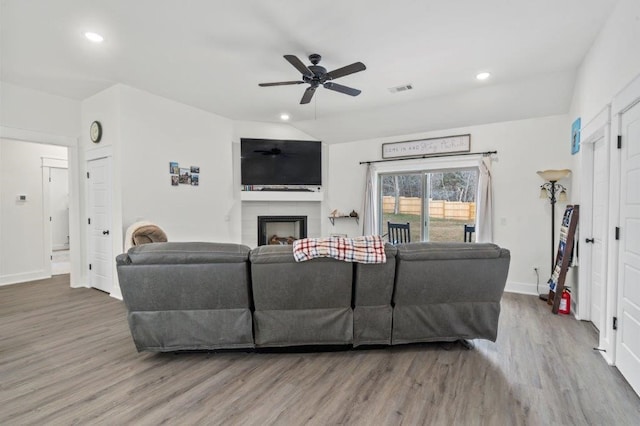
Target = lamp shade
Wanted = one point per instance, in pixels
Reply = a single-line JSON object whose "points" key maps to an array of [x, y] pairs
{"points": [[554, 175], [543, 192]]}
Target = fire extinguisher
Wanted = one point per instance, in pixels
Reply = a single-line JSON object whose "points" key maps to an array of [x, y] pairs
{"points": [[565, 302]]}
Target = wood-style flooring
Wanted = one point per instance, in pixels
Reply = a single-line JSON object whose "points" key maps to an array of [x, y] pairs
{"points": [[66, 357]]}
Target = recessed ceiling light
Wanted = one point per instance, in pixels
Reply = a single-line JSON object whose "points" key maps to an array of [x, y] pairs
{"points": [[483, 75], [284, 116], [94, 37]]}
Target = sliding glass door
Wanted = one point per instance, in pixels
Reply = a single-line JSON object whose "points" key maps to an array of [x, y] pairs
{"points": [[402, 201], [437, 204]]}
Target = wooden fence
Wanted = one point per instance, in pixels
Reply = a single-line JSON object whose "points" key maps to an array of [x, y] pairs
{"points": [[437, 208]]}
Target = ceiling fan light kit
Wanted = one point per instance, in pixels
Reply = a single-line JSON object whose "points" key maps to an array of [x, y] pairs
{"points": [[316, 75]]}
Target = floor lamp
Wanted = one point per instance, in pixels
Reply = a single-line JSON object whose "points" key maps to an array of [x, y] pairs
{"points": [[553, 191]]}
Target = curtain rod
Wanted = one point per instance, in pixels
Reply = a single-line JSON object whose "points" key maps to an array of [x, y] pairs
{"points": [[484, 154]]}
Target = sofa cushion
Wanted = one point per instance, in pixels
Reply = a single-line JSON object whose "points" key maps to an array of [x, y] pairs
{"points": [[448, 291], [185, 296], [372, 292], [281, 283], [306, 303], [449, 251], [181, 330], [373, 283], [186, 252]]}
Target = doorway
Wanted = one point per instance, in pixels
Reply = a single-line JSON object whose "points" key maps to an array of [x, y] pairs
{"points": [[55, 186]]}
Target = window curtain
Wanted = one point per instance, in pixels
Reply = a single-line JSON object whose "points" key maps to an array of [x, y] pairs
{"points": [[370, 211], [484, 201]]}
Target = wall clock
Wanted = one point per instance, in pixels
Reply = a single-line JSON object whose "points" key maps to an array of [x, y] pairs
{"points": [[95, 131]]}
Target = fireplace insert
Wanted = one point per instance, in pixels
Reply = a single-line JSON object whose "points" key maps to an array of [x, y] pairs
{"points": [[281, 230]]}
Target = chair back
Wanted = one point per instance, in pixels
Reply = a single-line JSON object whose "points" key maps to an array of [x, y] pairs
{"points": [[399, 233]]}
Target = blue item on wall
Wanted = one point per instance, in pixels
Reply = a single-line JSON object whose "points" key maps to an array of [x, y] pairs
{"points": [[575, 136]]}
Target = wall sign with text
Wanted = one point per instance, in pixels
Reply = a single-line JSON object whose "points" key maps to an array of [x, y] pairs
{"points": [[444, 145]]}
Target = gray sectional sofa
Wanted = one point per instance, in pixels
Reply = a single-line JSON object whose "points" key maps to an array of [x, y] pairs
{"points": [[187, 296], [208, 296]]}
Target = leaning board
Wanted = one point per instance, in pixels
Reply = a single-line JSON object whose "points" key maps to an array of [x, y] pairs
{"points": [[564, 255]]}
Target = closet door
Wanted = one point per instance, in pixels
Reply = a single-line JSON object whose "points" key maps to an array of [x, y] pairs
{"points": [[628, 337], [101, 257], [598, 233]]}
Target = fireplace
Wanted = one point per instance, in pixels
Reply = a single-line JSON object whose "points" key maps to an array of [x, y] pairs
{"points": [[281, 230]]}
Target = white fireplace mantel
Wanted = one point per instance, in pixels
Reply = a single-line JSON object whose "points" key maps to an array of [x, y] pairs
{"points": [[281, 196]]}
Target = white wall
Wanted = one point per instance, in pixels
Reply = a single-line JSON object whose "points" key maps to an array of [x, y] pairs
{"points": [[609, 65], [522, 220], [156, 131], [23, 255], [28, 115], [35, 111], [143, 133], [254, 129]]}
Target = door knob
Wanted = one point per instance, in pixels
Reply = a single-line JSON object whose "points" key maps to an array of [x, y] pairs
{"points": [[588, 240], [105, 232]]}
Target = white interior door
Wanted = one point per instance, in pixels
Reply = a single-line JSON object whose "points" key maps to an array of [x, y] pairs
{"points": [[628, 336], [99, 221], [598, 234], [59, 207]]}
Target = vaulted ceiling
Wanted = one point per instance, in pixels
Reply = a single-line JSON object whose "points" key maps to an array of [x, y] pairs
{"points": [[212, 55]]}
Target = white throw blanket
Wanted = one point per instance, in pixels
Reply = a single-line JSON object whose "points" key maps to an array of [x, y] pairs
{"points": [[367, 249]]}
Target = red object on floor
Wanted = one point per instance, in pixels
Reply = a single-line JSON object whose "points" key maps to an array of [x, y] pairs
{"points": [[565, 303]]}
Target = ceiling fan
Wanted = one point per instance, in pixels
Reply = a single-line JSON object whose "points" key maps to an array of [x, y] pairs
{"points": [[316, 75]]}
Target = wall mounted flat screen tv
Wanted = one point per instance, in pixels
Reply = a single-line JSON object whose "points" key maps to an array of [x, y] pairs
{"points": [[280, 162]]}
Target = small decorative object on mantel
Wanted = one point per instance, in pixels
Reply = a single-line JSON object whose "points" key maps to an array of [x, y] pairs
{"points": [[423, 147], [353, 213]]}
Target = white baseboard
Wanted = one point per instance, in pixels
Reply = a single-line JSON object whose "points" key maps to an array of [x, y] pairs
{"points": [[116, 294], [23, 277]]}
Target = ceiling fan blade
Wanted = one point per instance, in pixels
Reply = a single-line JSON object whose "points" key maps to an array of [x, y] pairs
{"points": [[342, 89], [308, 94], [349, 69], [293, 60], [280, 83]]}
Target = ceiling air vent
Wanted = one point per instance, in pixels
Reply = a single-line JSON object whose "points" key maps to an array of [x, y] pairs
{"points": [[402, 88]]}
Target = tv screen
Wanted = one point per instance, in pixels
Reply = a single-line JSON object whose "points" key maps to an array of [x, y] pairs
{"points": [[280, 162]]}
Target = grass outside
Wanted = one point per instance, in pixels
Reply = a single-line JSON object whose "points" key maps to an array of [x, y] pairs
{"points": [[439, 229]]}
